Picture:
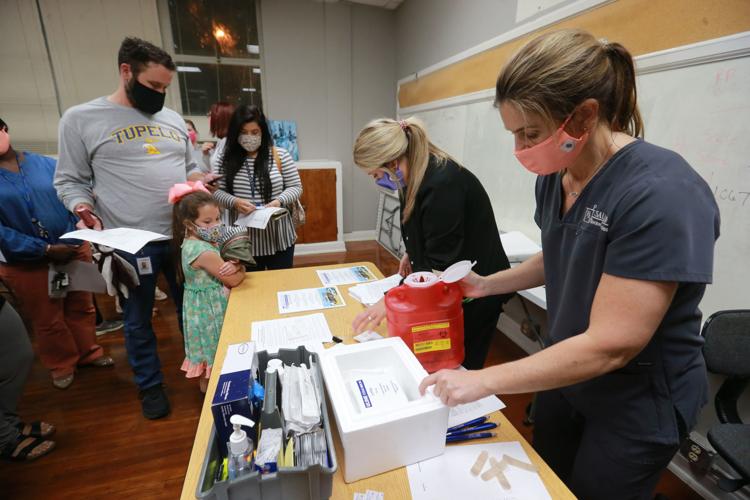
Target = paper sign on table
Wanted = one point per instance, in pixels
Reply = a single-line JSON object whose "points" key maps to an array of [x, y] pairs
{"points": [[311, 329], [310, 299], [258, 218], [121, 238], [345, 275], [448, 476]]}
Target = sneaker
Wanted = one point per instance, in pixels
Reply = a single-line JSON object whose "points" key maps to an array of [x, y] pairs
{"points": [[154, 402], [107, 326], [159, 295]]}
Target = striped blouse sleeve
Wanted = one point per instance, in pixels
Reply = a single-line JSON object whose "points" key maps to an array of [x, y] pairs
{"points": [[225, 199], [292, 184]]}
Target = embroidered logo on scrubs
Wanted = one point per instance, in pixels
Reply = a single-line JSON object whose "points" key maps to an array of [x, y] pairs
{"points": [[596, 218]]}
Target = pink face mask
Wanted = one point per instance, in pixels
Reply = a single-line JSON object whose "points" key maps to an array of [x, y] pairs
{"points": [[193, 136], [557, 152], [4, 142]]}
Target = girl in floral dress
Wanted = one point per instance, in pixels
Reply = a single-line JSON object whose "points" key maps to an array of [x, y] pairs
{"points": [[207, 278]]}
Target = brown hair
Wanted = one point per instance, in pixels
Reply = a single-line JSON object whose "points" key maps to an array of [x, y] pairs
{"points": [[557, 71], [186, 209], [138, 53], [385, 140], [220, 113]]}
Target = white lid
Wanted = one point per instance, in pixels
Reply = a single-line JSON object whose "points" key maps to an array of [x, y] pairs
{"points": [[274, 365], [457, 271]]}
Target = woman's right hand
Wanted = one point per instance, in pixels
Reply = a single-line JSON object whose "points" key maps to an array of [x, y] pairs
{"points": [[207, 147], [474, 286], [404, 266], [370, 317], [243, 206]]}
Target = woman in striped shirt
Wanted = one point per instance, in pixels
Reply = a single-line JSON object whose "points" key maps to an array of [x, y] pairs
{"points": [[254, 178]]}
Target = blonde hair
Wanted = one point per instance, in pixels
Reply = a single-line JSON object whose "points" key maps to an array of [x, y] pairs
{"points": [[384, 140], [557, 71]]}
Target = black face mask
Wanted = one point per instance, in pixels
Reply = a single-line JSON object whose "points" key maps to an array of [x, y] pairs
{"points": [[146, 99]]}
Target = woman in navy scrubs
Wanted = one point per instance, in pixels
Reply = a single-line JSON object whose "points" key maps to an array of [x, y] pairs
{"points": [[628, 231]]}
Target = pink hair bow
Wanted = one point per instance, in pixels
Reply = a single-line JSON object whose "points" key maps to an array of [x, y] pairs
{"points": [[181, 189]]}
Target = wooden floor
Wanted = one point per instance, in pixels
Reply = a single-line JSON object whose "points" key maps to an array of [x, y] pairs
{"points": [[106, 449]]}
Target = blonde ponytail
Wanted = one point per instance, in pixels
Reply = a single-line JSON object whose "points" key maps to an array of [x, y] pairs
{"points": [[384, 140]]}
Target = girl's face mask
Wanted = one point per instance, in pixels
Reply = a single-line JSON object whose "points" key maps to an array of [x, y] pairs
{"points": [[193, 136], [559, 151], [211, 234]]}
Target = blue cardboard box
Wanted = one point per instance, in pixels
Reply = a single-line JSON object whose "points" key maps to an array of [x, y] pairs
{"points": [[231, 396]]}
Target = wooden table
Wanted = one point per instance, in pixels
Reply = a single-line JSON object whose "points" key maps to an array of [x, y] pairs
{"points": [[255, 300]]}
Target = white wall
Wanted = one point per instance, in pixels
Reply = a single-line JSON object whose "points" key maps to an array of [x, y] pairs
{"points": [[331, 68], [429, 31], [27, 95]]}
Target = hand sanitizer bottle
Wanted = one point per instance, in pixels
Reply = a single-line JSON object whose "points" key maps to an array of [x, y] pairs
{"points": [[240, 448]]}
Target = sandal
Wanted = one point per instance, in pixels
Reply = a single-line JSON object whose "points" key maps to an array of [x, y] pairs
{"points": [[27, 449], [63, 382], [103, 361], [36, 429]]}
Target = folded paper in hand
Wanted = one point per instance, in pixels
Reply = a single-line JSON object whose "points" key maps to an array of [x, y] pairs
{"points": [[121, 238]]}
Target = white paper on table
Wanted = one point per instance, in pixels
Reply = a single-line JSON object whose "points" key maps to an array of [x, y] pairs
{"points": [[374, 495], [310, 299], [345, 275], [448, 476], [121, 238], [258, 218], [469, 411], [367, 336], [370, 293], [309, 330]]}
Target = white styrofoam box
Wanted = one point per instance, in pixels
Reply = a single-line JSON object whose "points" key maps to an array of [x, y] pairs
{"points": [[383, 440]]}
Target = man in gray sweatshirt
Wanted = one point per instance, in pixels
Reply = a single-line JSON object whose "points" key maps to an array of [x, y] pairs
{"points": [[129, 150]]}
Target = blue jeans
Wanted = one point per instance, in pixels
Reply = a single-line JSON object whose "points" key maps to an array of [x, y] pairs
{"points": [[140, 340]]}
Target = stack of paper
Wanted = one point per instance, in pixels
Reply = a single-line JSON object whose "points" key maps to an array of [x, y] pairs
{"points": [[370, 293]]}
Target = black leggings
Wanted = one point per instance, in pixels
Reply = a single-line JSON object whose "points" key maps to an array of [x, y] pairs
{"points": [[480, 323]]}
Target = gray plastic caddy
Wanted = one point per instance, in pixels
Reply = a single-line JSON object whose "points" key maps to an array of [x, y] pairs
{"points": [[288, 483]]}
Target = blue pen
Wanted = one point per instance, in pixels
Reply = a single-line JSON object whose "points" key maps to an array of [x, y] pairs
{"points": [[469, 437], [481, 427], [470, 423]]}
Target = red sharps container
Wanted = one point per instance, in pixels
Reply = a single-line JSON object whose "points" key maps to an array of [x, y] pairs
{"points": [[425, 311]]}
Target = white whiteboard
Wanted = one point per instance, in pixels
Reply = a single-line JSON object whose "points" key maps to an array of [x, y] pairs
{"points": [[701, 111]]}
